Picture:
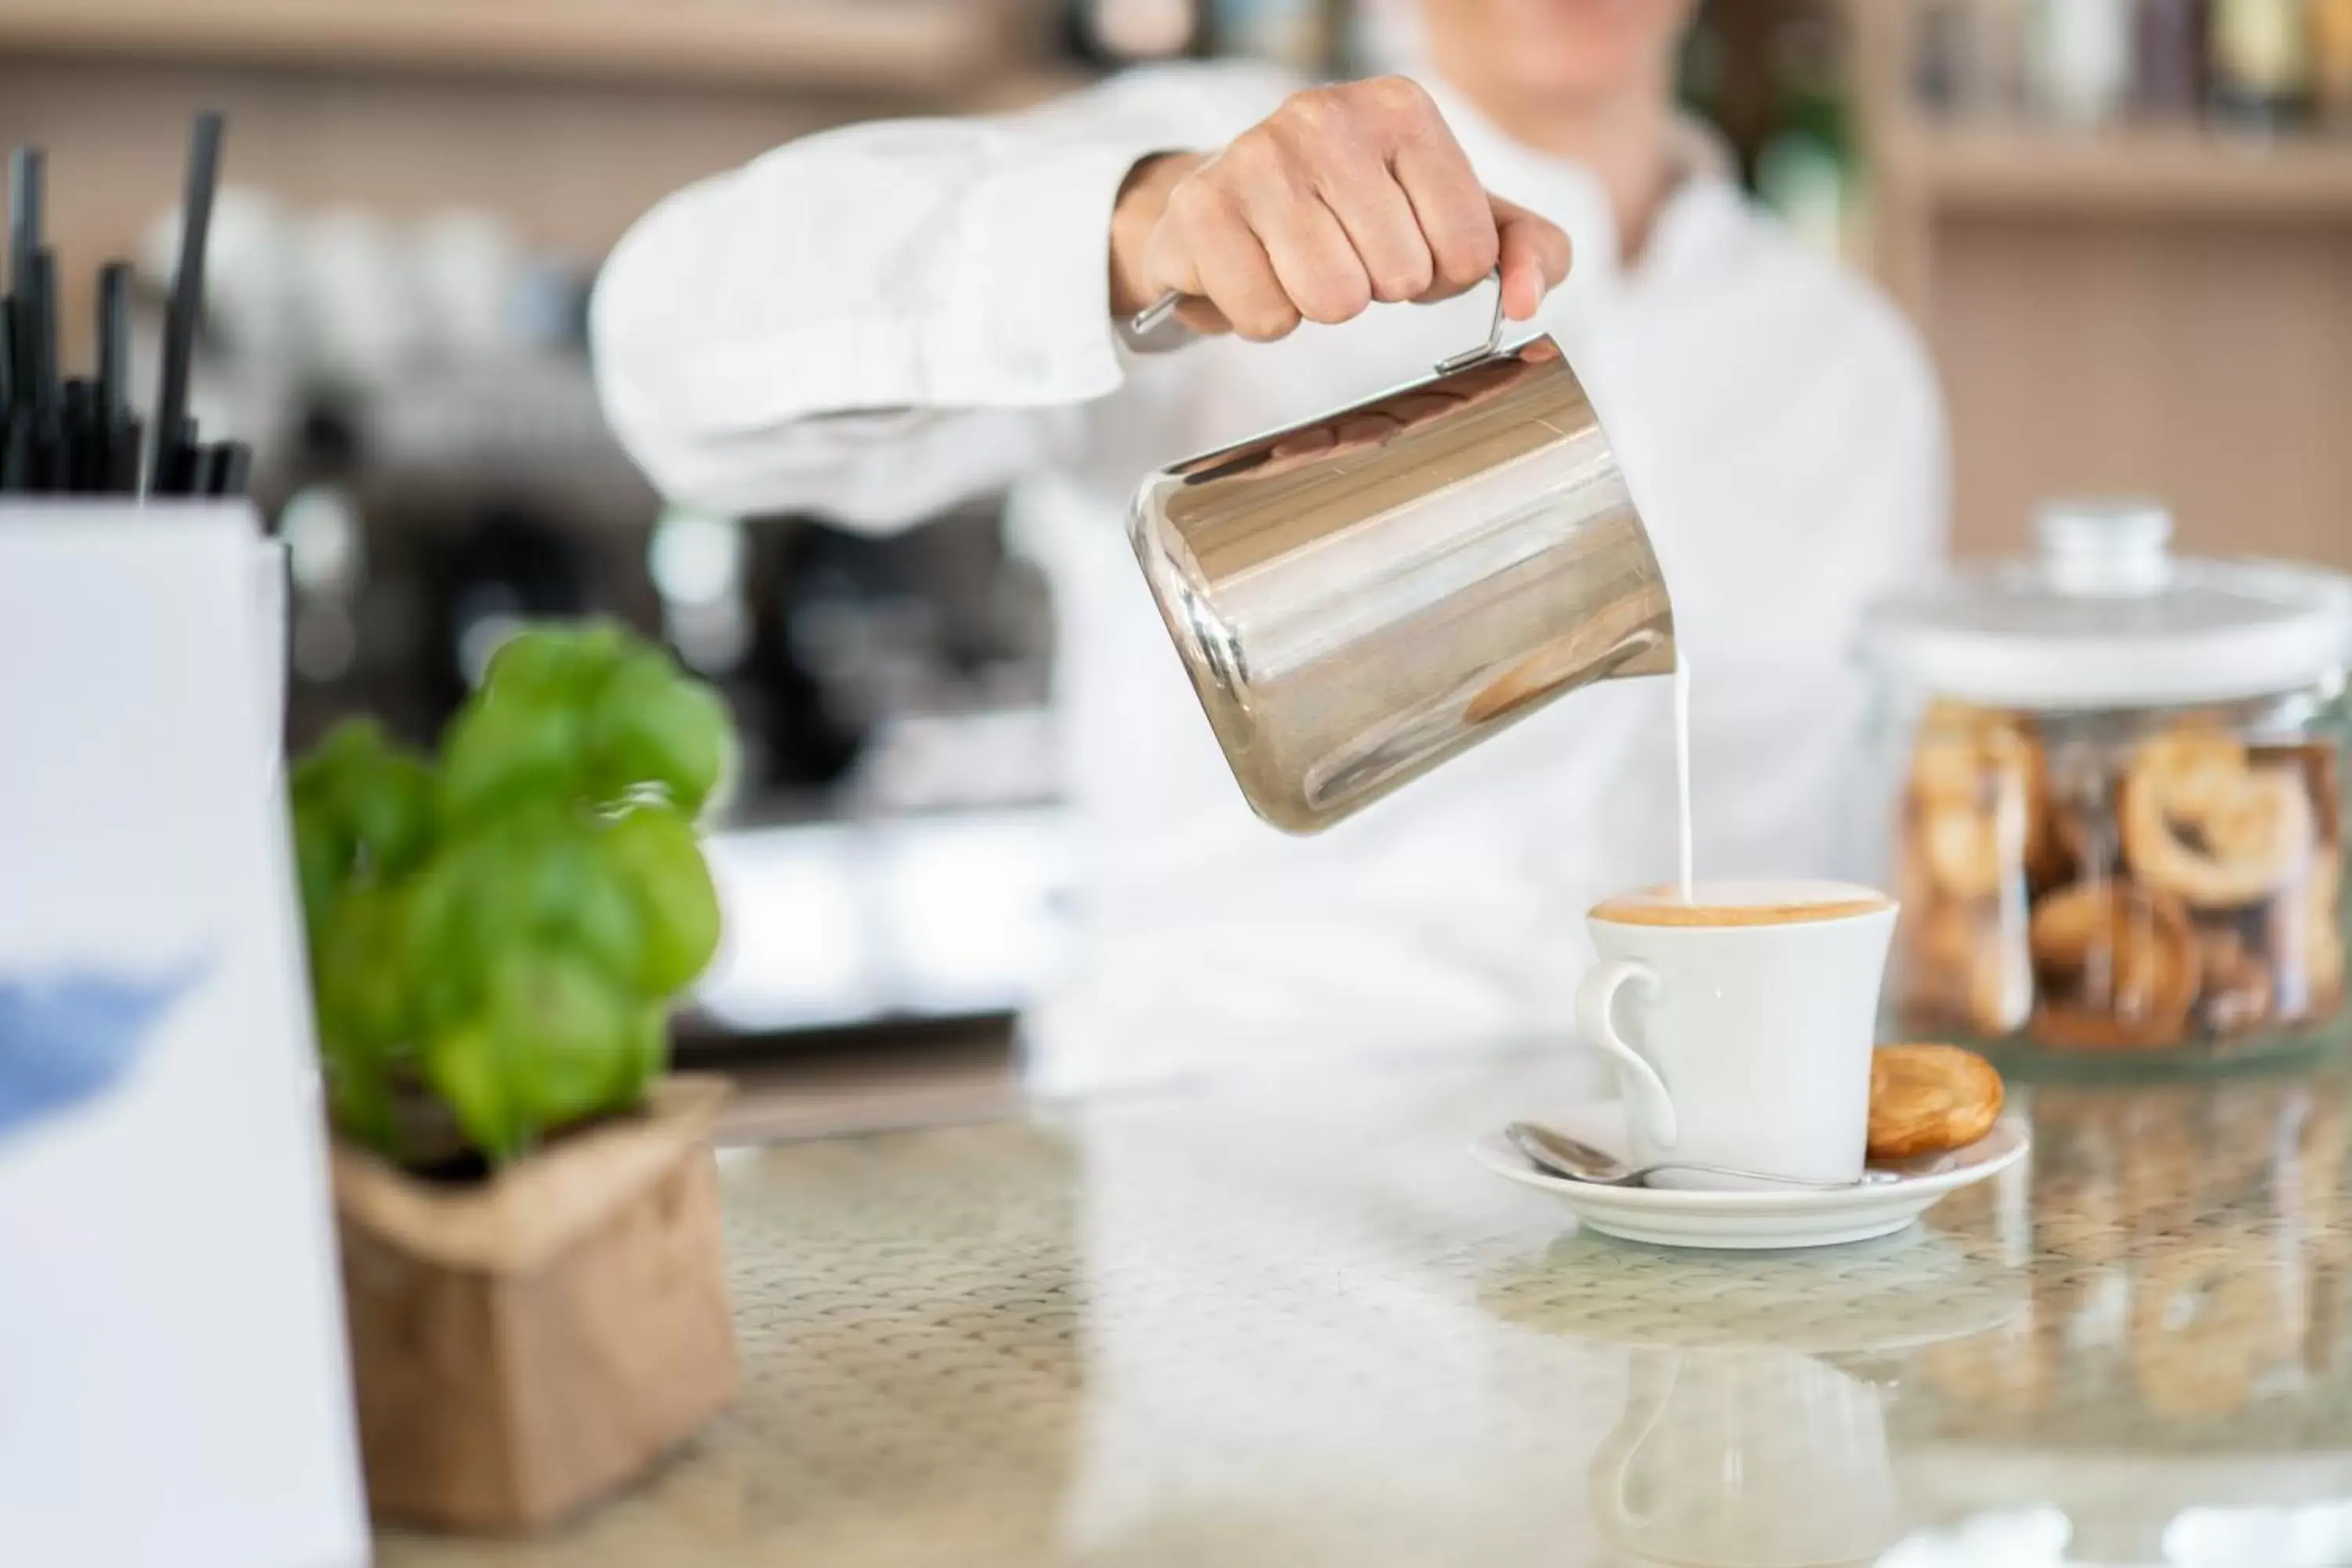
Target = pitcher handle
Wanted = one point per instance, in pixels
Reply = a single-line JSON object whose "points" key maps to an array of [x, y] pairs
{"points": [[1147, 321], [1469, 357], [1150, 319], [1596, 995]]}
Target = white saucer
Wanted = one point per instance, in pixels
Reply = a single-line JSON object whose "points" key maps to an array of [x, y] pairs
{"points": [[1746, 1221]]}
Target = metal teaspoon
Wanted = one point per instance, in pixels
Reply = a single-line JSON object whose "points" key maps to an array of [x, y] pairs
{"points": [[1578, 1161]]}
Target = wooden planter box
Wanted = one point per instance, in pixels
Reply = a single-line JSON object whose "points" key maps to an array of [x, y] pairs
{"points": [[524, 1346]]}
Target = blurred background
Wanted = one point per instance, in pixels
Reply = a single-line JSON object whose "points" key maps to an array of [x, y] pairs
{"points": [[2125, 226]]}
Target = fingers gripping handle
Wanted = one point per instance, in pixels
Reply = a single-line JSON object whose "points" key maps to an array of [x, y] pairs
{"points": [[1152, 317], [1596, 999]]}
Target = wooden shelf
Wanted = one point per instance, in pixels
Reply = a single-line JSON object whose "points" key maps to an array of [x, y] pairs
{"points": [[881, 46], [2141, 310], [2185, 173]]}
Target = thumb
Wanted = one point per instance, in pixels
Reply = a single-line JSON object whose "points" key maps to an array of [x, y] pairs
{"points": [[1535, 254], [1168, 268]]}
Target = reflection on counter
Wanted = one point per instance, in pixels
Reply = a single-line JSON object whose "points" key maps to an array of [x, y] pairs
{"points": [[1747, 1456], [1298, 1326], [2180, 1388]]}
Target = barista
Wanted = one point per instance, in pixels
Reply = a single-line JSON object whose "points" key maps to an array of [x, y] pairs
{"points": [[876, 324]]}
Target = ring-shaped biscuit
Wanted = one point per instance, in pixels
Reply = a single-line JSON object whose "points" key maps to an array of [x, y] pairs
{"points": [[2200, 821], [1979, 801], [2206, 1319], [1962, 964], [2115, 963], [1929, 1100]]}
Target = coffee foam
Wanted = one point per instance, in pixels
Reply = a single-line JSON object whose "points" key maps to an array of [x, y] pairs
{"points": [[1748, 903]]}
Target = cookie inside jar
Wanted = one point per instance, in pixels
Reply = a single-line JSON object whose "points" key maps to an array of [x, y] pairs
{"points": [[1976, 843], [2119, 825]]}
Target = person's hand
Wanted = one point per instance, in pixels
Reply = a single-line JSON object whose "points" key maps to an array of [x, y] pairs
{"points": [[1344, 196]]}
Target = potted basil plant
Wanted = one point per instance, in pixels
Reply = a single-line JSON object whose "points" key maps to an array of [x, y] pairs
{"points": [[526, 1201]]}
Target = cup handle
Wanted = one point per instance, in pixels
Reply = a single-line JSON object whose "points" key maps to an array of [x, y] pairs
{"points": [[1595, 996]]}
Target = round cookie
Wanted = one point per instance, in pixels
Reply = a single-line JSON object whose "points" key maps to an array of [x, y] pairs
{"points": [[2201, 821], [1926, 1100]]}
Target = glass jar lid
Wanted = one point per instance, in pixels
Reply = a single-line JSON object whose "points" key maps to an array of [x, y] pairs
{"points": [[2106, 616]]}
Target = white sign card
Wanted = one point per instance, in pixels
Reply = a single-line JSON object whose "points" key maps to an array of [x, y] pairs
{"points": [[174, 1383]]}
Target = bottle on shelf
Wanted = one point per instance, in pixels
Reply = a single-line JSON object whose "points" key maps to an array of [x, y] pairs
{"points": [[1942, 77], [2080, 60], [2169, 75], [2262, 57], [2001, 35], [2331, 50]]}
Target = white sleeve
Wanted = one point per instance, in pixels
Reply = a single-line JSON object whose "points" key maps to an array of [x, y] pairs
{"points": [[869, 323]]}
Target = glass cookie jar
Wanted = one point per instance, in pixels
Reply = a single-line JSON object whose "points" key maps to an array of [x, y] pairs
{"points": [[2114, 796]]}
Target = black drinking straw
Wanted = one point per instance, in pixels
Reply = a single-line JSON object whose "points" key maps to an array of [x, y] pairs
{"points": [[77, 460], [123, 443], [204, 474], [15, 449], [113, 376], [37, 327], [49, 471], [83, 436], [113, 340], [23, 208], [24, 241], [176, 470], [172, 459], [233, 469], [36, 301]]}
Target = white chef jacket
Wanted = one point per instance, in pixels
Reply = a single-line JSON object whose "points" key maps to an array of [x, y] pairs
{"points": [[876, 322]]}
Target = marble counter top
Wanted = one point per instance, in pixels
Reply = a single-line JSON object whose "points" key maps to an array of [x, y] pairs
{"points": [[1299, 1326]]}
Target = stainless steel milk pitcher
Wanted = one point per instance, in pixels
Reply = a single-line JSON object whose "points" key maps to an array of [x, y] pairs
{"points": [[1360, 597]]}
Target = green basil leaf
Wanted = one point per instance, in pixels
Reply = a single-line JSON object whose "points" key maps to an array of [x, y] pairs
{"points": [[660, 863]]}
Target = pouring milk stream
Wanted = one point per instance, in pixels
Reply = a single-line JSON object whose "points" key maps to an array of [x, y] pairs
{"points": [[1683, 879]]}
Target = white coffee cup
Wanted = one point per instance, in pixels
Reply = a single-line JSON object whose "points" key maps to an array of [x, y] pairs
{"points": [[1739, 1044]]}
